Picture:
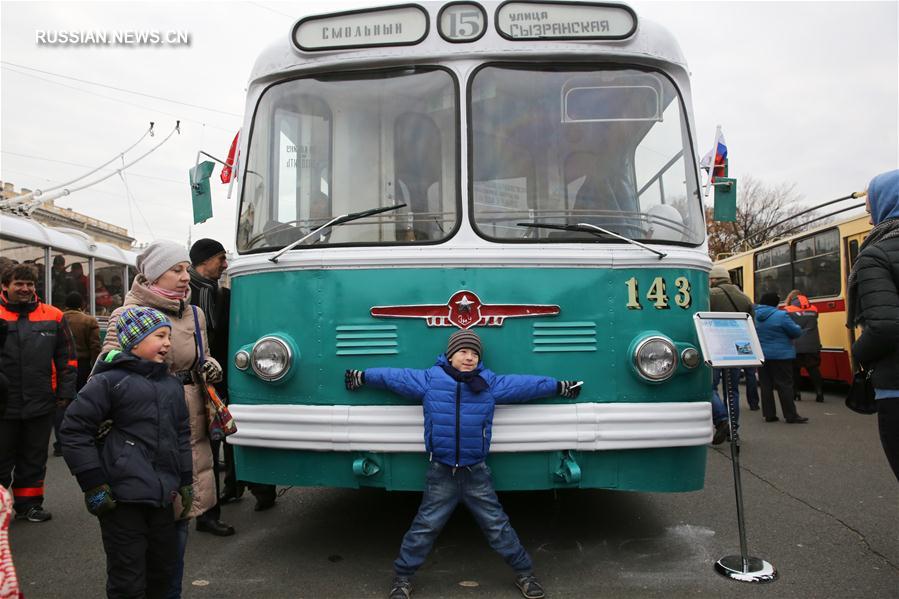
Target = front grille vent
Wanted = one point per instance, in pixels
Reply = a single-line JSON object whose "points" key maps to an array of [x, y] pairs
{"points": [[564, 337], [367, 340]]}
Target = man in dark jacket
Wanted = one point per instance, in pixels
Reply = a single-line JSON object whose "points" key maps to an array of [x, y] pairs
{"points": [[86, 336], [808, 346], [874, 304], [724, 296], [208, 263], [39, 360]]}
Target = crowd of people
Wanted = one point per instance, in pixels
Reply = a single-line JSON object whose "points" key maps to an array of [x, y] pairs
{"points": [[789, 337], [171, 330], [131, 416]]}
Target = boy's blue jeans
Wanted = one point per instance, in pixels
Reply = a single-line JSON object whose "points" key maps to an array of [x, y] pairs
{"points": [[445, 487]]}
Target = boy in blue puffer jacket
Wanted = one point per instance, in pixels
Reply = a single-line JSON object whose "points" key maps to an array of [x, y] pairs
{"points": [[458, 396], [143, 465]]}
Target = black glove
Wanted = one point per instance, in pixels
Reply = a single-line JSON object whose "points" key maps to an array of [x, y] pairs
{"points": [[99, 500], [570, 389], [353, 379]]}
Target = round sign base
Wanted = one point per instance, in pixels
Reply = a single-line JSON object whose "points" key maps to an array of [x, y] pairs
{"points": [[754, 570]]}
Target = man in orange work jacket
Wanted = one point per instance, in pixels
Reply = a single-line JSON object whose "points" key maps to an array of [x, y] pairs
{"points": [[39, 360], [808, 347]]}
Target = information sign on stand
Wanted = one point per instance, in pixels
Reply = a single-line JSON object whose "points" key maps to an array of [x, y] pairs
{"points": [[728, 340]]}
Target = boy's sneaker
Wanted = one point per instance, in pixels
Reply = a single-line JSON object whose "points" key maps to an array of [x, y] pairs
{"points": [[35, 514], [401, 588], [529, 586]]}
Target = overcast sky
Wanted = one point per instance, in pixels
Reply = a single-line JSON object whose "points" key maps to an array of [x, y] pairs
{"points": [[806, 93]]}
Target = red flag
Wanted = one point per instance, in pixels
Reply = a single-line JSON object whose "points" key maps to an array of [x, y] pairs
{"points": [[229, 163]]}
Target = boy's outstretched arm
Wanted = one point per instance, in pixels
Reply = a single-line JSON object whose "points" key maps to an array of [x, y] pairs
{"points": [[406, 382], [516, 388]]}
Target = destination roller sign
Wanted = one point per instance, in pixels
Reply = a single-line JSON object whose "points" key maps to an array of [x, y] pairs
{"points": [[404, 25], [565, 21]]}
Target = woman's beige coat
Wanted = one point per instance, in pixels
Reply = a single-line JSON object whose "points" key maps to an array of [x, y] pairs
{"points": [[182, 356]]}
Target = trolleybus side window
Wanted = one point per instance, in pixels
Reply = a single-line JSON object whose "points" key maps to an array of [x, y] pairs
{"points": [[68, 273], [338, 144], [23, 252], [773, 271], [816, 264], [109, 291], [736, 277], [572, 144], [853, 252]]}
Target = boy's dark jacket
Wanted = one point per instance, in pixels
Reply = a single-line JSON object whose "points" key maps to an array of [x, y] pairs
{"points": [[146, 456], [458, 421]]}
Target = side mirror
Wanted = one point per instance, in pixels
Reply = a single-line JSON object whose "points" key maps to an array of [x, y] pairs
{"points": [[200, 193], [725, 199]]}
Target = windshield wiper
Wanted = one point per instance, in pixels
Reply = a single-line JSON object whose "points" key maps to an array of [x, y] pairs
{"points": [[593, 230], [337, 220]]}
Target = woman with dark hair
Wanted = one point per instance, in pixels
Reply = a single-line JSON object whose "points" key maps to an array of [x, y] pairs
{"points": [[776, 330], [874, 305]]}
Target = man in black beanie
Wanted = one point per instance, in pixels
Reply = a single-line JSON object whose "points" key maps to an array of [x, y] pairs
{"points": [[208, 264]]}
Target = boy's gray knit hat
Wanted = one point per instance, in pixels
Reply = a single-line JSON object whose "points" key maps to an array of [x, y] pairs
{"points": [[159, 257], [463, 340]]}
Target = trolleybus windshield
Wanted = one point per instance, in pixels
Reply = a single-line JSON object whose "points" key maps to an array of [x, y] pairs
{"points": [[328, 145], [568, 145]]}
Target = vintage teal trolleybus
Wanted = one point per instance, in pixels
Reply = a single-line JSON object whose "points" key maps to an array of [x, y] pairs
{"points": [[523, 169]]}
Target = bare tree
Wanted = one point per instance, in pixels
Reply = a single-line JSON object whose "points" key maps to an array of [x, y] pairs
{"points": [[759, 207]]}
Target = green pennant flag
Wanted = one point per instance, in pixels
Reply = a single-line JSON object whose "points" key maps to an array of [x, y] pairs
{"points": [[725, 199], [200, 193]]}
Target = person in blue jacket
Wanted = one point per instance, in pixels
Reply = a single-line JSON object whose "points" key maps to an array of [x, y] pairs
{"points": [[458, 395], [776, 330]]}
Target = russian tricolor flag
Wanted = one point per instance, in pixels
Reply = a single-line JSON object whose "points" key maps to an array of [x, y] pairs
{"points": [[717, 156]]}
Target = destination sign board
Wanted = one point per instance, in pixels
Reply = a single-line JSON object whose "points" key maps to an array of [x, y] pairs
{"points": [[402, 25], [565, 20]]}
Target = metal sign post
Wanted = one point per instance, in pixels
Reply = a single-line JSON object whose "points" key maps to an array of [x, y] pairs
{"points": [[728, 340]]}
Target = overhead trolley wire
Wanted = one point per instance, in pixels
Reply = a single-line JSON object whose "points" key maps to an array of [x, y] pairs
{"points": [[121, 89], [32, 156], [35, 203], [37, 193], [110, 98]]}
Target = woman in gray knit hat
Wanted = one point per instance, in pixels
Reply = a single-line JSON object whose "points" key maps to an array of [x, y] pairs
{"points": [[163, 283]]}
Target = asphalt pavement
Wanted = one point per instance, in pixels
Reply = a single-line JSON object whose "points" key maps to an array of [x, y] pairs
{"points": [[821, 505]]}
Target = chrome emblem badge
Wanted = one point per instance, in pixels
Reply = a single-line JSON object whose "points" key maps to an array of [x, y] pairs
{"points": [[465, 310]]}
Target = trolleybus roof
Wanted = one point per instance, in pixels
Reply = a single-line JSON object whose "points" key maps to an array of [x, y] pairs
{"points": [[74, 242]]}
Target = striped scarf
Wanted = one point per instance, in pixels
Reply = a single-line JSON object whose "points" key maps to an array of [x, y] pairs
{"points": [[208, 291]]}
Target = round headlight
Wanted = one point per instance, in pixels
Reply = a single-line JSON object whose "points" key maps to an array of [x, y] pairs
{"points": [[655, 358], [242, 360], [270, 359], [690, 357]]}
